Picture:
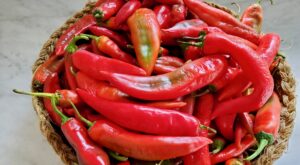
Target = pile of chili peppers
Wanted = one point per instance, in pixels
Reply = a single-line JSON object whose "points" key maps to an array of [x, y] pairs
{"points": [[163, 82]]}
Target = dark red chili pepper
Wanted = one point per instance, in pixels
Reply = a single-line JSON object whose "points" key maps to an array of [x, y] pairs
{"points": [[124, 163], [225, 125], [166, 64], [163, 51], [180, 82], [221, 19], [68, 72], [77, 135], [239, 133], [126, 11], [232, 150], [52, 65], [233, 161], [78, 27], [147, 3], [190, 104], [118, 112], [163, 14], [266, 124], [92, 64], [246, 121], [101, 31], [169, 2], [218, 145], [106, 8], [178, 13], [145, 36]]}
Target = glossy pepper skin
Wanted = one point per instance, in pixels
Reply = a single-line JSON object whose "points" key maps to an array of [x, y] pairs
{"points": [[68, 72], [133, 116], [180, 82], [126, 11], [192, 52], [229, 75], [253, 17], [143, 147], [104, 9], [166, 64], [78, 27], [249, 61], [225, 125], [178, 13], [163, 14], [266, 124], [190, 104], [145, 36], [92, 64], [221, 19]]}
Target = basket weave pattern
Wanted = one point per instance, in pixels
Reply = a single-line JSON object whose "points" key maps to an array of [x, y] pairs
{"points": [[284, 86]]}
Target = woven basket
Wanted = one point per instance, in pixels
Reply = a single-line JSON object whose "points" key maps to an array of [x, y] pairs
{"points": [[284, 86]]}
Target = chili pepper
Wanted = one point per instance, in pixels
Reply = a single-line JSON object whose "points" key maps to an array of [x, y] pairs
{"points": [[93, 64], [111, 24], [232, 150], [147, 3], [107, 8], [124, 163], [68, 72], [190, 104], [218, 145], [192, 52], [180, 82], [169, 2], [221, 19], [166, 104], [278, 59], [190, 28], [163, 14], [52, 65], [178, 13], [246, 121], [95, 48], [110, 48], [118, 112], [78, 27], [145, 36], [225, 125], [62, 96], [233, 161], [266, 125], [163, 51], [77, 135], [249, 62], [101, 31], [166, 64], [239, 133], [126, 11]]}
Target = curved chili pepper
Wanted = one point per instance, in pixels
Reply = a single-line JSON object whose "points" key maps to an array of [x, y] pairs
{"points": [[95, 48], [92, 64], [218, 145], [239, 133], [166, 64], [178, 13], [233, 161], [163, 14], [169, 2], [180, 82], [77, 135], [111, 24], [249, 62], [225, 125], [133, 117], [266, 125], [68, 72], [190, 104], [246, 121], [126, 11], [101, 31], [232, 150], [52, 65], [221, 19], [106, 8], [78, 27], [145, 36]]}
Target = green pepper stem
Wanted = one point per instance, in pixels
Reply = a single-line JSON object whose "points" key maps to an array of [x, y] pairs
{"points": [[87, 122], [117, 156], [63, 117], [201, 126], [217, 146], [98, 14], [186, 44], [72, 47], [262, 144], [38, 94]]}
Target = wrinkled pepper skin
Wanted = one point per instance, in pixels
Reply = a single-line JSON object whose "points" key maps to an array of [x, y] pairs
{"points": [[145, 36], [143, 147], [133, 116], [180, 82]]}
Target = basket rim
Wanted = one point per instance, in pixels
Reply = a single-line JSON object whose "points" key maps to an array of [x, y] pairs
{"points": [[284, 86]]}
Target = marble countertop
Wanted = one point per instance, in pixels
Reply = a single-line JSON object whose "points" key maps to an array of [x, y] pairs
{"points": [[26, 25]]}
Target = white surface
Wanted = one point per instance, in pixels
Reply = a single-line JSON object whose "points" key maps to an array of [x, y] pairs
{"points": [[26, 25]]}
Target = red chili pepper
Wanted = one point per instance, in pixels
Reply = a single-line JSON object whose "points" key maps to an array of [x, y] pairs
{"points": [[163, 51], [147, 3], [246, 121], [169, 2], [190, 104], [145, 36], [101, 31], [233, 161], [192, 52], [178, 13], [249, 61], [163, 14], [126, 11], [180, 82], [221, 19], [77, 135], [132, 116], [78, 27], [166, 64], [266, 125], [124, 163], [166, 104], [93, 64], [106, 8], [239, 133], [95, 48], [111, 24], [52, 65], [225, 125], [232, 150], [68, 72], [204, 109]]}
